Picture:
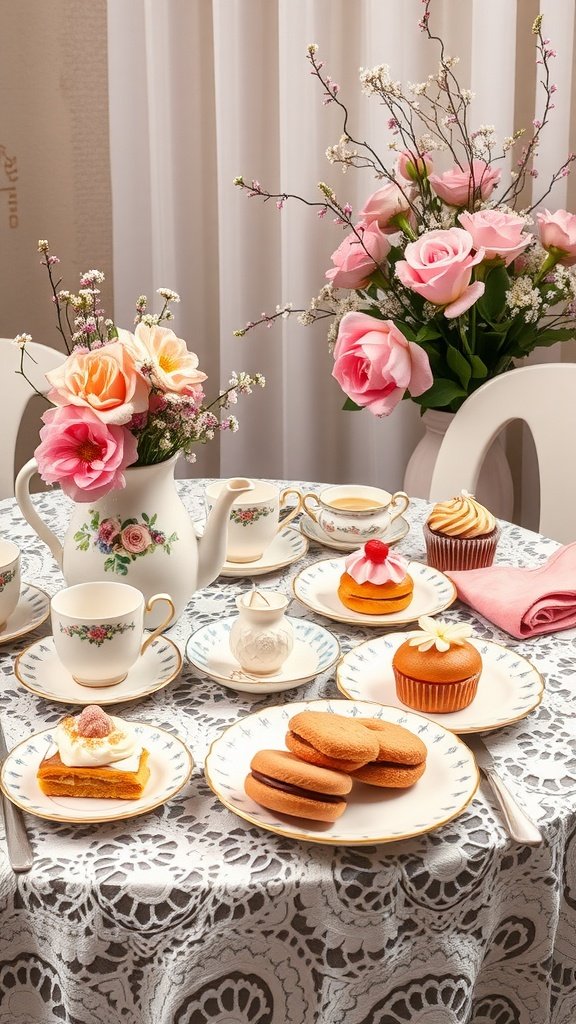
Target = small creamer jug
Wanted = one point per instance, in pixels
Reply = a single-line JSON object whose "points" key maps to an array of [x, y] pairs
{"points": [[262, 637]]}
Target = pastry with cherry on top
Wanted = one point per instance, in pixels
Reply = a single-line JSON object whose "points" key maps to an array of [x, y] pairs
{"points": [[376, 581]]}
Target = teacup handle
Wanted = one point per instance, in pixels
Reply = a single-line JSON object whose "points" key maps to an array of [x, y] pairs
{"points": [[309, 510], [159, 629], [293, 511], [398, 504]]}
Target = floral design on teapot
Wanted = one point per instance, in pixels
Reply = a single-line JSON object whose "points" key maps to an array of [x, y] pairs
{"points": [[6, 577], [122, 540], [245, 516], [97, 634]]}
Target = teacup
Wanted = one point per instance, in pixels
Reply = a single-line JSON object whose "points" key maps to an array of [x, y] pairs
{"points": [[9, 579], [98, 630], [254, 518], [352, 512]]}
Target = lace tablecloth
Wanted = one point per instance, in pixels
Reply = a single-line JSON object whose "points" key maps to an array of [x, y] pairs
{"points": [[190, 915]]}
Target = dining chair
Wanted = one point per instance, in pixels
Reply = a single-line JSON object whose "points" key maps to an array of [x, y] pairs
{"points": [[16, 395], [544, 397]]}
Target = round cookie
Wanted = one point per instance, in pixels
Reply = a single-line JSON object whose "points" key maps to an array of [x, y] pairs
{"points": [[332, 741], [373, 599], [396, 743], [394, 776], [281, 782]]}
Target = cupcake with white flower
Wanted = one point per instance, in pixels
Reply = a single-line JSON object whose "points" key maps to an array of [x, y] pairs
{"points": [[437, 669]]}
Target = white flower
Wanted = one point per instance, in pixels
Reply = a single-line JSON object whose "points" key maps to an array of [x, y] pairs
{"points": [[21, 340], [439, 634]]}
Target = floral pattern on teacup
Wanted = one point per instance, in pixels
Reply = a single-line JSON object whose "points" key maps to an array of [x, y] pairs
{"points": [[6, 577], [354, 531], [123, 540], [245, 516], [97, 634]]}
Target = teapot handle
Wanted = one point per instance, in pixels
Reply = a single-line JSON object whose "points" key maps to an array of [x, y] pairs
{"points": [[22, 493]]}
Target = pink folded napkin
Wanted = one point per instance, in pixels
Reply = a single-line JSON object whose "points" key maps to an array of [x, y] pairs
{"points": [[524, 602]]}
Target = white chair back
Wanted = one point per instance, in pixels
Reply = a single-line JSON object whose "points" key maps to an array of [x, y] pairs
{"points": [[16, 393], [544, 397]]}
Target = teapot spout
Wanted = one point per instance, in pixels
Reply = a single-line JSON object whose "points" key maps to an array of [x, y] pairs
{"points": [[212, 546]]}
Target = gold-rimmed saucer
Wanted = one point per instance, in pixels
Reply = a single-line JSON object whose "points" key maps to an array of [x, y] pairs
{"points": [[40, 670], [510, 687], [32, 610], [288, 546]]}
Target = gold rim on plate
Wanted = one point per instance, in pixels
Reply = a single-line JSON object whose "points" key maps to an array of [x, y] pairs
{"points": [[324, 838], [102, 703], [365, 621], [28, 629], [115, 817], [261, 570], [459, 732]]}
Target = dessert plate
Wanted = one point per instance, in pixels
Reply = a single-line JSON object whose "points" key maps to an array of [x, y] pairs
{"points": [[40, 670], [509, 687], [373, 815], [170, 763], [32, 610], [287, 547], [316, 587], [398, 530], [315, 651]]}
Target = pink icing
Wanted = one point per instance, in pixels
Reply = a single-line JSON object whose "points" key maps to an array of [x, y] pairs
{"points": [[363, 570], [93, 721]]}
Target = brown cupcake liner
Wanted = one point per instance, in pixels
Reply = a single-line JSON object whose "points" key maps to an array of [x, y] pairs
{"points": [[439, 698], [447, 553]]}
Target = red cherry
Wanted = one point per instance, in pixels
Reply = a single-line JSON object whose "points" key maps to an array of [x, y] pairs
{"points": [[376, 551]]}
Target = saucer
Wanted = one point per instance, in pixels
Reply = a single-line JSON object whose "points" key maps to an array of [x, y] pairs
{"points": [[316, 587], [398, 530], [287, 547], [365, 673], [32, 610], [170, 763], [315, 651], [40, 670]]}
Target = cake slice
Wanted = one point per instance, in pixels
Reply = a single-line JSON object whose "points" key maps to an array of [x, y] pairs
{"points": [[109, 781]]}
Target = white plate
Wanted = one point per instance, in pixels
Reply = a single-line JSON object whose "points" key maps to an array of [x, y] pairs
{"points": [[287, 547], [315, 651], [373, 815], [170, 764], [398, 530], [40, 670], [508, 690], [316, 587], [32, 610]]}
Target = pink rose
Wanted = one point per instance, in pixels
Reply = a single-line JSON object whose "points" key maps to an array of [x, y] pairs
{"points": [[105, 380], [135, 539], [499, 234], [355, 261], [108, 530], [412, 167], [558, 231], [384, 205], [81, 453], [438, 266], [461, 186], [374, 363], [174, 368]]}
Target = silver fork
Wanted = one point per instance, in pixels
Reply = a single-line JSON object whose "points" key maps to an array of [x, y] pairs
{"points": [[19, 849]]}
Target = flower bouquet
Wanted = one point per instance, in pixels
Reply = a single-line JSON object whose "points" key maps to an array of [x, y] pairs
{"points": [[122, 399], [439, 283]]}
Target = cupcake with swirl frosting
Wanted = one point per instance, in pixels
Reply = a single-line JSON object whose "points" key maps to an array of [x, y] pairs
{"points": [[460, 534]]}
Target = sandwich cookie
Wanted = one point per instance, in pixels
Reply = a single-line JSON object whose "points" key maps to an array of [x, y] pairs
{"points": [[331, 741], [401, 758], [281, 782]]}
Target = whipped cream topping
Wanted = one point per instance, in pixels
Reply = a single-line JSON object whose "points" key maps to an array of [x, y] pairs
{"points": [[372, 564], [461, 517], [78, 751], [439, 634]]}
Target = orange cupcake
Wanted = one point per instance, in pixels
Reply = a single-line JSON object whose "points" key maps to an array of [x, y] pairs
{"points": [[437, 669], [376, 582]]}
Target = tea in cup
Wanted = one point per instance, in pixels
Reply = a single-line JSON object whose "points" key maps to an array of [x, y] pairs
{"points": [[9, 579], [98, 630], [353, 512], [254, 518]]}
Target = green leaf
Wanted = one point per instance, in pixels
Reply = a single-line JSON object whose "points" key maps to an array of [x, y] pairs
{"points": [[127, 522], [491, 305], [145, 518], [428, 333], [95, 520], [125, 559], [553, 334], [441, 394], [351, 406], [479, 369], [154, 518], [459, 365]]}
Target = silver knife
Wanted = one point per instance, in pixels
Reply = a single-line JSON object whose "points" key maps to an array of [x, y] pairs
{"points": [[19, 849], [519, 825]]}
